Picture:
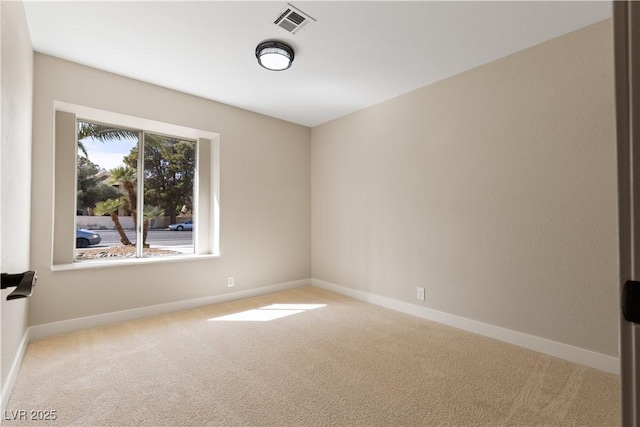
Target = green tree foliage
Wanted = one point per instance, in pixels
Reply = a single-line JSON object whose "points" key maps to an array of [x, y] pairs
{"points": [[126, 177], [111, 207], [102, 133], [90, 190], [150, 212], [169, 168], [106, 198]]}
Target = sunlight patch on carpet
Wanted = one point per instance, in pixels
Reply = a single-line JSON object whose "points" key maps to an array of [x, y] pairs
{"points": [[267, 313]]}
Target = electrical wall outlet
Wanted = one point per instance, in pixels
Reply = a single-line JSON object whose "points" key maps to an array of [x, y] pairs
{"points": [[420, 293], [230, 282]]}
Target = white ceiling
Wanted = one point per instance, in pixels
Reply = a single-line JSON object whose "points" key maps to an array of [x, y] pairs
{"points": [[357, 53]]}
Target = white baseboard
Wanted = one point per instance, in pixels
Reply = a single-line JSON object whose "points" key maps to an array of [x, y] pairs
{"points": [[571, 353], [55, 328], [7, 387]]}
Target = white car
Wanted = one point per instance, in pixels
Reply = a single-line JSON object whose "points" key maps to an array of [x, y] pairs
{"points": [[187, 225]]}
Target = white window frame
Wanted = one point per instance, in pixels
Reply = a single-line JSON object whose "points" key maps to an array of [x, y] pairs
{"points": [[206, 210]]}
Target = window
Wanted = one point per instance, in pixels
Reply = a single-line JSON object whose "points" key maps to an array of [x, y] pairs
{"points": [[114, 169], [144, 189]]}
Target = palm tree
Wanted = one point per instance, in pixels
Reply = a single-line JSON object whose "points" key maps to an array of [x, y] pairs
{"points": [[123, 175], [150, 212], [104, 133], [126, 176], [82, 148], [111, 207], [101, 133]]}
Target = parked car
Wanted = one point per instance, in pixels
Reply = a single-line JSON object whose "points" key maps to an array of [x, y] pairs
{"points": [[187, 225], [86, 238]]}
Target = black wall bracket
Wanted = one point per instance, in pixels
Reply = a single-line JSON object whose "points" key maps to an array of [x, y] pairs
{"points": [[630, 301], [24, 283]]}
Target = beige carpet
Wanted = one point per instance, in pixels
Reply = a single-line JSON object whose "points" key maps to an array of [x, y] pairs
{"points": [[345, 363]]}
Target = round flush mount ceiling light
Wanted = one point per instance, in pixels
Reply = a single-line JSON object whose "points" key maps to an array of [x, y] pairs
{"points": [[274, 56]]}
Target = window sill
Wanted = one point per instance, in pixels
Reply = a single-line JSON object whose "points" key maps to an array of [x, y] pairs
{"points": [[130, 261]]}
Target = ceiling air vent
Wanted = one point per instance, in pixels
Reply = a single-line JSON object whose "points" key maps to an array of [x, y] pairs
{"points": [[292, 20]]}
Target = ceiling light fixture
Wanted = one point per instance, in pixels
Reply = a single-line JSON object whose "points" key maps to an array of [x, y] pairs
{"points": [[274, 56]]}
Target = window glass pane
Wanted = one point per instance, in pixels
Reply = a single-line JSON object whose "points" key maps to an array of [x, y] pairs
{"points": [[106, 192], [169, 171]]}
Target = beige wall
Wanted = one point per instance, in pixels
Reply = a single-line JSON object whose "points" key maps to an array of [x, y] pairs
{"points": [[265, 198], [15, 154], [494, 189]]}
